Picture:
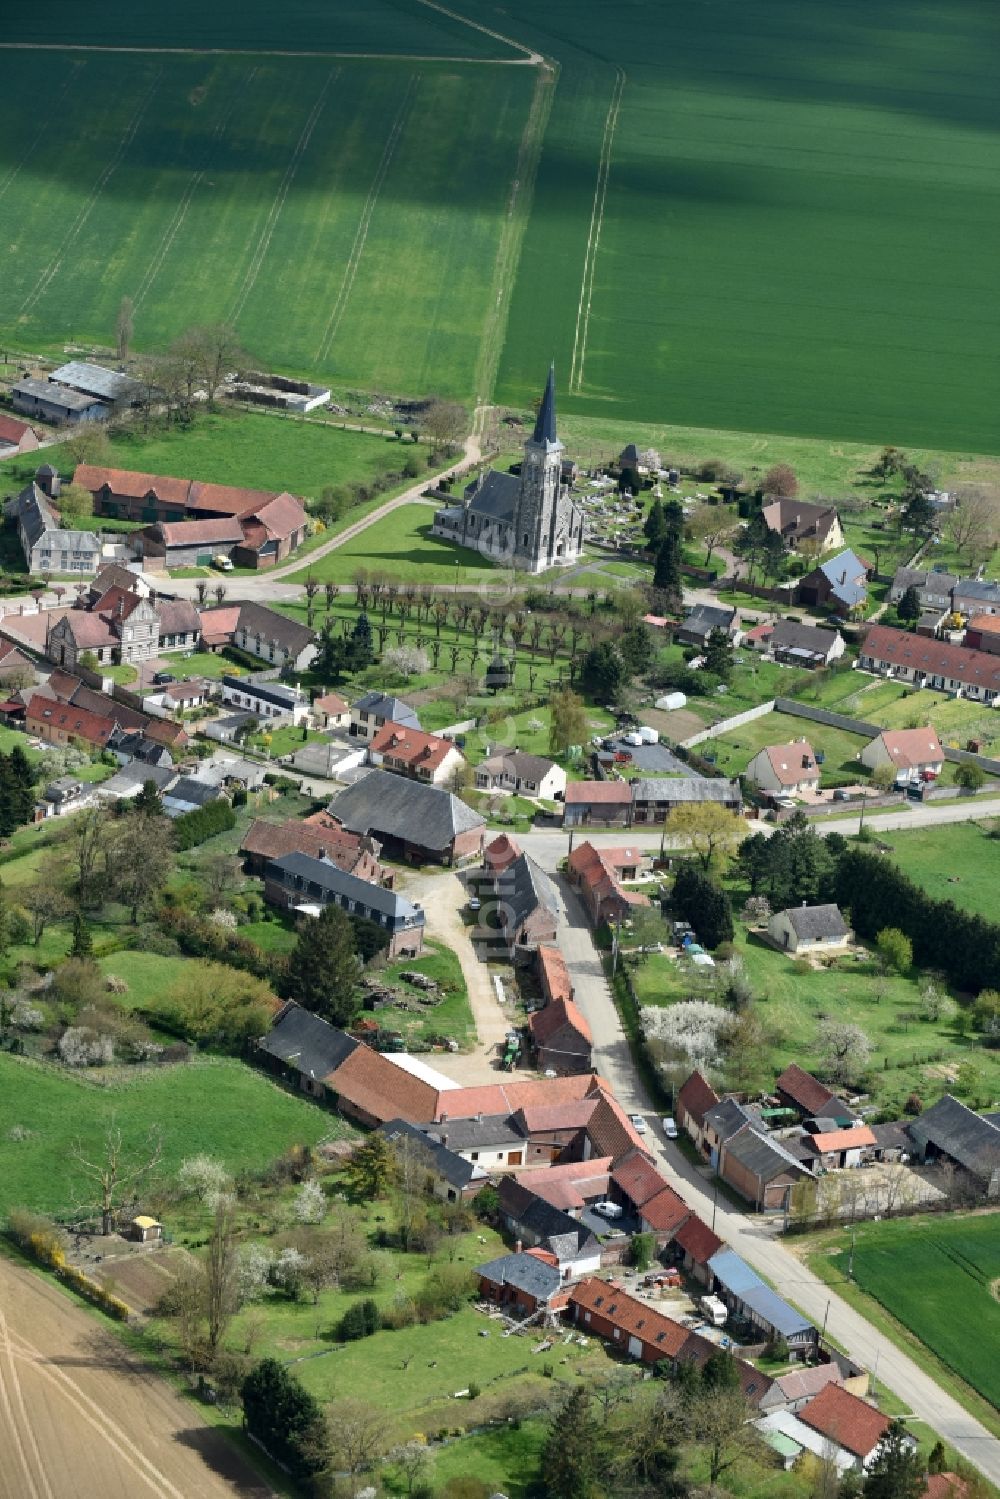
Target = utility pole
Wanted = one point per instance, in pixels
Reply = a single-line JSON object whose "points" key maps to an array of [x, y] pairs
{"points": [[850, 1262], [715, 1201], [826, 1316]]}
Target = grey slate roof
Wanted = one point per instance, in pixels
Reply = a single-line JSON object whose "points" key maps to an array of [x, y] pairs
{"points": [[545, 422], [686, 789], [524, 888], [494, 495], [34, 513], [791, 636], [843, 572], [955, 1130], [452, 1167], [704, 618], [765, 1158], [95, 380], [307, 1042], [728, 1116], [271, 625], [396, 807], [329, 877], [812, 923], [392, 709], [555, 1230], [974, 588], [56, 395], [524, 1272], [480, 1131], [269, 692], [188, 789]]}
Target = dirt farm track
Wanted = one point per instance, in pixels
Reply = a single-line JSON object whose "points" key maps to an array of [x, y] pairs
{"points": [[81, 1418]]}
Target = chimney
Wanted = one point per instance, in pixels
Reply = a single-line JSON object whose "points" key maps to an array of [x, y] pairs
{"points": [[518, 1247]]}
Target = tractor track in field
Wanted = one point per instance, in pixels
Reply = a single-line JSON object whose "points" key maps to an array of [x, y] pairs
{"points": [[90, 203], [594, 236], [274, 212], [532, 60], [180, 213], [51, 113], [361, 234]]}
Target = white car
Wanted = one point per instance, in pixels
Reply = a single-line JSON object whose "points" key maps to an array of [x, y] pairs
{"points": [[608, 1209], [638, 1123], [670, 1128]]}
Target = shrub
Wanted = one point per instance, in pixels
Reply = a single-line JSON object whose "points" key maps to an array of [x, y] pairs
{"points": [[38, 1236], [203, 823], [82, 1046], [361, 1320]]}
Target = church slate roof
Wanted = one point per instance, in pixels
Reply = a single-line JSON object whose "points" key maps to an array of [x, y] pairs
{"points": [[495, 495], [545, 422]]}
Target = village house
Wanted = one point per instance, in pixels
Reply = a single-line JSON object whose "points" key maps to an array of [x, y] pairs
{"points": [[804, 929], [417, 822], [265, 841], [492, 1141], [450, 1176], [795, 644], [913, 754], [411, 752], [49, 547], [785, 769], [654, 797], [803, 525], [16, 438], [795, 1389], [722, 1121], [982, 633], [218, 627], [693, 1245], [701, 620], [273, 637], [840, 583], [760, 1169], [976, 596], [332, 711], [638, 1186], [570, 1185], [840, 1149], [559, 1033], [536, 1223], [930, 663], [597, 875], [598, 803], [61, 724], [521, 908], [265, 698], [298, 882], [694, 1100], [371, 713], [523, 775], [499, 854], [48, 402], [849, 1423], [934, 588]]}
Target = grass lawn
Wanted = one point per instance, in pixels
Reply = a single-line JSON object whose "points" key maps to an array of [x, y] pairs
{"points": [[934, 1276], [286, 740], [148, 975], [122, 673], [273, 936], [204, 1105], [956, 719], [206, 664], [399, 545], [956, 862], [452, 1017], [909, 1054], [734, 751]]}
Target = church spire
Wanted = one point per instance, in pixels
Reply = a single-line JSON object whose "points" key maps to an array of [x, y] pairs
{"points": [[545, 422]]}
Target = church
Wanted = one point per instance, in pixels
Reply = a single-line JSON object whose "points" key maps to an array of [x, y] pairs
{"points": [[528, 521]]}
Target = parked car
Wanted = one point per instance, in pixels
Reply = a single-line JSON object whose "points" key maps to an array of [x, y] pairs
{"points": [[475, 904], [638, 1123], [608, 1209], [841, 795], [163, 679], [670, 1128]]}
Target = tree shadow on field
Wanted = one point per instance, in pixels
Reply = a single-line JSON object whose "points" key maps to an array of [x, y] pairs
{"points": [[216, 1446]]}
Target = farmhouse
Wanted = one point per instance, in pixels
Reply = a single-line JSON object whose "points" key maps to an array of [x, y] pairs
{"points": [[654, 797], [16, 437], [601, 803], [700, 621], [982, 633], [411, 752], [838, 1149], [273, 637], [407, 817], [56, 403], [521, 774], [848, 1423], [638, 1186], [914, 754], [694, 1100], [808, 929], [949, 1131], [371, 713], [298, 882], [48, 547], [976, 596], [61, 723], [523, 910], [500, 853], [785, 769], [725, 1119], [528, 521], [798, 522], [840, 583], [597, 874], [572, 1185], [332, 710], [535, 1222], [930, 663], [559, 1033], [934, 589], [265, 841]]}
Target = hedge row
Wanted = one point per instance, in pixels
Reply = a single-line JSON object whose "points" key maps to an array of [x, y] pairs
{"points": [[205, 822]]}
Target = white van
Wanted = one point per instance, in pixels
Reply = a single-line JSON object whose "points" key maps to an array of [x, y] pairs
{"points": [[715, 1310], [608, 1209]]}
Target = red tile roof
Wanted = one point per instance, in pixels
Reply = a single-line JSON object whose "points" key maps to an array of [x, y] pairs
{"points": [[805, 1090], [411, 747], [988, 624], [332, 703], [945, 1486], [556, 982], [633, 1317], [637, 1177], [219, 625], [192, 532], [844, 1139], [598, 791], [273, 840], [597, 868], [501, 852], [226, 499], [11, 430], [936, 658], [280, 517], [547, 1022], [840, 1416], [793, 762], [384, 1091], [42, 713], [545, 1118], [665, 1212], [911, 748], [698, 1240], [697, 1096]]}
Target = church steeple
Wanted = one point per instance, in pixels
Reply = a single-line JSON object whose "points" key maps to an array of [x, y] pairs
{"points": [[545, 422]]}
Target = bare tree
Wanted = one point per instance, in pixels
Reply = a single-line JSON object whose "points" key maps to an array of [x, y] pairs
{"points": [[220, 590], [711, 525], [445, 423], [124, 326], [218, 352], [220, 1271], [357, 1431], [972, 526], [111, 1175]]}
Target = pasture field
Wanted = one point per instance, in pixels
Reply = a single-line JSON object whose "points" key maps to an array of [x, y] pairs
{"points": [[345, 215], [956, 862], [938, 1277], [203, 1105], [722, 231]]}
